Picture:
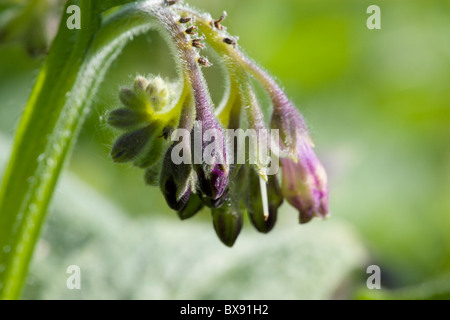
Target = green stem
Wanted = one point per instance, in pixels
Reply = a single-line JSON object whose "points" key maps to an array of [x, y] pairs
{"points": [[234, 58], [49, 126]]}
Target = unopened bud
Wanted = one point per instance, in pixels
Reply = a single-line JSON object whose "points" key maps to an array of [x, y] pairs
{"points": [[129, 145], [227, 222], [125, 118], [261, 220], [304, 183]]}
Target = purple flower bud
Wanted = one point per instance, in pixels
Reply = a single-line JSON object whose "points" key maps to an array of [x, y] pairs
{"points": [[208, 142], [213, 204], [212, 181], [304, 182]]}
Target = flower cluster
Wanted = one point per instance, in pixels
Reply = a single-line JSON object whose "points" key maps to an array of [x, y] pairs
{"points": [[154, 109]]}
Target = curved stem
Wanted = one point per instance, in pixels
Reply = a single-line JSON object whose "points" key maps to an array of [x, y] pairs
{"points": [[236, 60]]}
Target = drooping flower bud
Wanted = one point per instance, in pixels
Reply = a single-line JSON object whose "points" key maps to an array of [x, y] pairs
{"points": [[209, 146], [291, 125], [304, 182], [192, 207], [212, 180], [228, 218], [258, 203], [170, 190], [213, 204], [175, 182], [227, 221]]}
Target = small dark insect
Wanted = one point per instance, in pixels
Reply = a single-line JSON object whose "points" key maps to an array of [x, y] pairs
{"points": [[191, 30], [184, 19]]}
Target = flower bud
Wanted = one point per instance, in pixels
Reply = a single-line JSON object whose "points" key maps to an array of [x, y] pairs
{"points": [[262, 221], [208, 141], [304, 183], [227, 221], [175, 182], [212, 181], [304, 180], [213, 204], [158, 93], [125, 118], [192, 207], [131, 100], [129, 145], [153, 151], [170, 189], [228, 218], [144, 146], [209, 157]]}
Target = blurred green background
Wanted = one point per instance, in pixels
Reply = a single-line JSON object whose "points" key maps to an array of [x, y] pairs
{"points": [[378, 105]]}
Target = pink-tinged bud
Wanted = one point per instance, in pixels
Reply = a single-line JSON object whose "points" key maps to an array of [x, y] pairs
{"points": [[304, 180], [213, 180], [304, 183]]}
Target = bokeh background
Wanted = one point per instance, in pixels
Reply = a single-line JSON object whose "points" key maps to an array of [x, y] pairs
{"points": [[378, 105]]}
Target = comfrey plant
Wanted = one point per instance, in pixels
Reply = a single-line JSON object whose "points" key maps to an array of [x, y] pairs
{"points": [[154, 111], [172, 130]]}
